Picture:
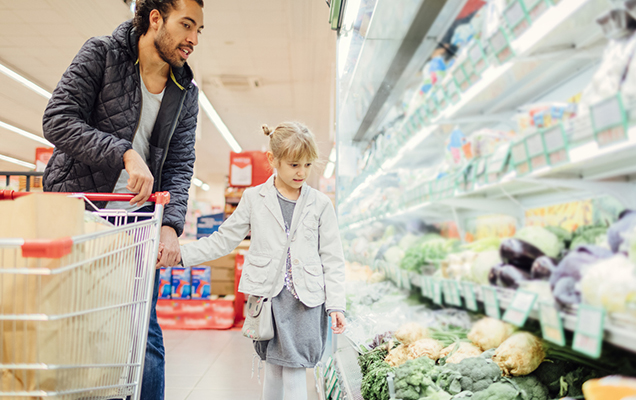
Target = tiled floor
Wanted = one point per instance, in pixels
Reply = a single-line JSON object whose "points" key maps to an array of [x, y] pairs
{"points": [[213, 365]]}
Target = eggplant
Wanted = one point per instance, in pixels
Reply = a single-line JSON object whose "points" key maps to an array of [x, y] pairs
{"points": [[597, 251], [493, 275], [511, 276], [565, 291], [519, 253], [616, 233], [542, 268]]}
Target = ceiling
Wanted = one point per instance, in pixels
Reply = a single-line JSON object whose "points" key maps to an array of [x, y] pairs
{"points": [[285, 44]]}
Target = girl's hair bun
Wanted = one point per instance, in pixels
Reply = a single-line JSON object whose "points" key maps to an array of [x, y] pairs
{"points": [[266, 130]]}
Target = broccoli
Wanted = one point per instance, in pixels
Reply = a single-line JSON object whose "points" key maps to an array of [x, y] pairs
{"points": [[471, 374], [530, 387], [498, 391], [412, 381], [550, 372]]}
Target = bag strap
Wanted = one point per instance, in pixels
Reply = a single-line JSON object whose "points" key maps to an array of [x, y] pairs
{"points": [[289, 236]]}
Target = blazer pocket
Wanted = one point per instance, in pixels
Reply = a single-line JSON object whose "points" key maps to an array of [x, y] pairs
{"points": [[256, 270], [311, 226], [314, 278]]}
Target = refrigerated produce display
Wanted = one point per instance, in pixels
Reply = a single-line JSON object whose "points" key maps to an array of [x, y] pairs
{"points": [[485, 198]]}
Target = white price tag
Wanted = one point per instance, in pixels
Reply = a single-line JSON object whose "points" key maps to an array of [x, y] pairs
{"points": [[534, 144], [608, 113], [469, 295], [515, 13], [554, 139], [588, 336], [468, 68], [424, 286], [437, 291], [518, 311], [475, 53], [491, 303], [459, 76], [551, 324], [498, 41], [519, 152]]}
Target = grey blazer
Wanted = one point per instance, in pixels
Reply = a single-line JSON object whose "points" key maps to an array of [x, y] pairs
{"points": [[316, 250]]}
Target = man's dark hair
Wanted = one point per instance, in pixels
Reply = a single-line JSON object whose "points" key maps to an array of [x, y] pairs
{"points": [[141, 21]]}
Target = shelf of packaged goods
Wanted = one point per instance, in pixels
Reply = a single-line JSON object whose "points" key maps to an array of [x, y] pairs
{"points": [[503, 87], [320, 381], [590, 170], [620, 329], [350, 377]]}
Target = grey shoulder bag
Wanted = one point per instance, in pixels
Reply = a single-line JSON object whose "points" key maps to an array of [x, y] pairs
{"points": [[259, 324]]}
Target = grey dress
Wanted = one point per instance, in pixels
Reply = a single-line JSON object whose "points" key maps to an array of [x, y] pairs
{"points": [[300, 332]]}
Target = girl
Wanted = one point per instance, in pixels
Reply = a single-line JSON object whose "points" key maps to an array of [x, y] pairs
{"points": [[312, 285]]}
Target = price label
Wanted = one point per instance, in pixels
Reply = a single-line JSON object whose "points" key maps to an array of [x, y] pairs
{"points": [[534, 144], [518, 311], [331, 385], [469, 295], [451, 293], [539, 161], [459, 76], [523, 168], [519, 153], [554, 139], [559, 157], [468, 68], [611, 135], [437, 291], [588, 336], [424, 286], [481, 167], [551, 324], [491, 303], [515, 13], [328, 367], [406, 280], [475, 54], [498, 41], [338, 394], [607, 114], [537, 10]]}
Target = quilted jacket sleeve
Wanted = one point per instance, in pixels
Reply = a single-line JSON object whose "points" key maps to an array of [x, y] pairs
{"points": [[179, 164], [65, 121]]}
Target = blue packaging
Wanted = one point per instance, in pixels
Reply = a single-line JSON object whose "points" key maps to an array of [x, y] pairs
{"points": [[165, 283], [181, 278], [201, 282]]}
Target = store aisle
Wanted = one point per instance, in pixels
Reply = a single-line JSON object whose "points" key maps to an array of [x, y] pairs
{"points": [[213, 365]]}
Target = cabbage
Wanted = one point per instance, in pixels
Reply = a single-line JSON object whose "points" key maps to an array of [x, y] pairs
{"points": [[542, 239], [482, 265]]}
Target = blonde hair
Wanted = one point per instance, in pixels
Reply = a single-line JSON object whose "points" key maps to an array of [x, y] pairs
{"points": [[292, 141]]}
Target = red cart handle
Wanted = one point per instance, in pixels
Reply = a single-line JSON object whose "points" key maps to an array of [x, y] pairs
{"points": [[162, 198]]}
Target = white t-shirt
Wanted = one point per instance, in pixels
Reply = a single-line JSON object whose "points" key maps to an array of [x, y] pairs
{"points": [[141, 143]]}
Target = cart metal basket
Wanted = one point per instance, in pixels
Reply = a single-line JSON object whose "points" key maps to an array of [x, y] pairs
{"points": [[74, 312]]}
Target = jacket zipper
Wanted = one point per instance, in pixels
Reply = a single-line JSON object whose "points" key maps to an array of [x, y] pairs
{"points": [[141, 107], [172, 129]]}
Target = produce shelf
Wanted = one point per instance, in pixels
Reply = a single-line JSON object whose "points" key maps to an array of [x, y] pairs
{"points": [[620, 329], [346, 361]]}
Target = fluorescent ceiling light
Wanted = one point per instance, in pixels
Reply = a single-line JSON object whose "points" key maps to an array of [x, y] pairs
{"points": [[197, 182], [24, 81], [332, 155], [329, 170], [16, 161], [218, 122], [205, 187], [25, 134]]}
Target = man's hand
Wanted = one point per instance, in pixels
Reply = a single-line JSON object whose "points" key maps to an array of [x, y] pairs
{"points": [[141, 180], [338, 322], [170, 253]]}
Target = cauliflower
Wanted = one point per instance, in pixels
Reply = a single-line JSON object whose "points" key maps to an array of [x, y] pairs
{"points": [[430, 348], [610, 284], [520, 354], [471, 374], [410, 333], [489, 333], [397, 356], [464, 350]]}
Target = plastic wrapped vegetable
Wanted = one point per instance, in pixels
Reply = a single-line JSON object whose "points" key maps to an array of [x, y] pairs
{"points": [[430, 348], [411, 333], [482, 265], [520, 354], [541, 238], [459, 351], [519, 253], [488, 333], [610, 283]]}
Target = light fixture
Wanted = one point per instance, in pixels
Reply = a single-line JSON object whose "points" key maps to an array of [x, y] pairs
{"points": [[217, 121], [205, 187], [329, 170], [24, 81], [16, 161], [197, 182], [25, 134], [332, 155]]}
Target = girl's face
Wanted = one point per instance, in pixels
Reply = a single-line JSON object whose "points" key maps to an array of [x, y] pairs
{"points": [[292, 173]]}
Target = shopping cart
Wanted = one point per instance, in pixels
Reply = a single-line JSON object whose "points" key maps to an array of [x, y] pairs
{"points": [[74, 311]]}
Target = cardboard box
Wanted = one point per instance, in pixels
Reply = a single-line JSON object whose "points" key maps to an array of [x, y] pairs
{"points": [[181, 283], [201, 282], [222, 273], [222, 287], [165, 283]]}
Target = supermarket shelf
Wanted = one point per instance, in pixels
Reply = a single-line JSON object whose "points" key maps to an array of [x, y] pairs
{"points": [[539, 63], [346, 361], [591, 170], [620, 329]]}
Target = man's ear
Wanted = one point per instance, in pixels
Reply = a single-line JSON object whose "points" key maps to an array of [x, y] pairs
{"points": [[156, 20]]}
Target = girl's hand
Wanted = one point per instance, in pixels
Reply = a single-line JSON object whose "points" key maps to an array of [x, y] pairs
{"points": [[338, 322]]}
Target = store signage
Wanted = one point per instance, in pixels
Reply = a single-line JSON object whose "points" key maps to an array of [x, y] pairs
{"points": [[551, 324], [518, 311], [468, 289], [588, 336], [609, 121], [491, 303]]}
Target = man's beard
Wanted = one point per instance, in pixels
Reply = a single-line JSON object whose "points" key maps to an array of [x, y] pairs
{"points": [[167, 50]]}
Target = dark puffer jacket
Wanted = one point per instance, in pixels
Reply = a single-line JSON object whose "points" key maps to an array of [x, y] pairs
{"points": [[93, 115]]}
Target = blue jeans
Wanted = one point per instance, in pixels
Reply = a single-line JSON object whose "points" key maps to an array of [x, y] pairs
{"points": [[153, 382]]}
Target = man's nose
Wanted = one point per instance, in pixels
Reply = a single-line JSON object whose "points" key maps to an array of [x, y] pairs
{"points": [[193, 38]]}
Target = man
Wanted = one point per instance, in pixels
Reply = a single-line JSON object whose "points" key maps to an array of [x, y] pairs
{"points": [[123, 120]]}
